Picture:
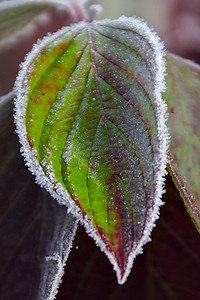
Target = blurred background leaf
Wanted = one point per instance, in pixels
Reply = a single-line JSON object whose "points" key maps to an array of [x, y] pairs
{"points": [[183, 99], [19, 17], [15, 16], [33, 21], [32, 224]]}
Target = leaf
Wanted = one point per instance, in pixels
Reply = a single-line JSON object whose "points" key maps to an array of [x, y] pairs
{"points": [[19, 17], [168, 270], [91, 122], [32, 225], [65, 226], [183, 98]]}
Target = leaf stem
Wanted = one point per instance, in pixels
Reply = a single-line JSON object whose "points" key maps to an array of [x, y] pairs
{"points": [[5, 98]]}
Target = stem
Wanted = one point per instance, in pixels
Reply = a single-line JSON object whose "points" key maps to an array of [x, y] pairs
{"points": [[5, 98]]}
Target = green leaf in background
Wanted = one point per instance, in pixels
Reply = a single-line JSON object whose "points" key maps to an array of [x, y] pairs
{"points": [[183, 99], [18, 17], [35, 232], [91, 122]]}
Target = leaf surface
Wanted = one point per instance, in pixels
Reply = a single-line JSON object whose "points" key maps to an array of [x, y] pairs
{"points": [[87, 116], [183, 99], [32, 225]]}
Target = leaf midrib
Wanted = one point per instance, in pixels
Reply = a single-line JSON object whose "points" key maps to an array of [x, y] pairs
{"points": [[105, 121]]}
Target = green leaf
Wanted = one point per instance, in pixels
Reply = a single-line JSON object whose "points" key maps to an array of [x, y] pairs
{"points": [[183, 99], [91, 120], [33, 226], [19, 17]]}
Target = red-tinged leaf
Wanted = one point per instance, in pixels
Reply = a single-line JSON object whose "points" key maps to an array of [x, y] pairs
{"points": [[91, 122], [183, 99]]}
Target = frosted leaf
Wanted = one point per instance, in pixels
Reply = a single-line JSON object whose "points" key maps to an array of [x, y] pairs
{"points": [[91, 121]]}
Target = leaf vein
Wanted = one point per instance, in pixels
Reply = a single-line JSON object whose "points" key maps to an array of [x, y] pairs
{"points": [[135, 153], [101, 102], [54, 62], [129, 198], [133, 106], [47, 116], [131, 30], [75, 119], [126, 46], [142, 169], [89, 159], [128, 73]]}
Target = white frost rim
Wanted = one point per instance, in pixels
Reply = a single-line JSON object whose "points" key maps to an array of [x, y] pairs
{"points": [[57, 191]]}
